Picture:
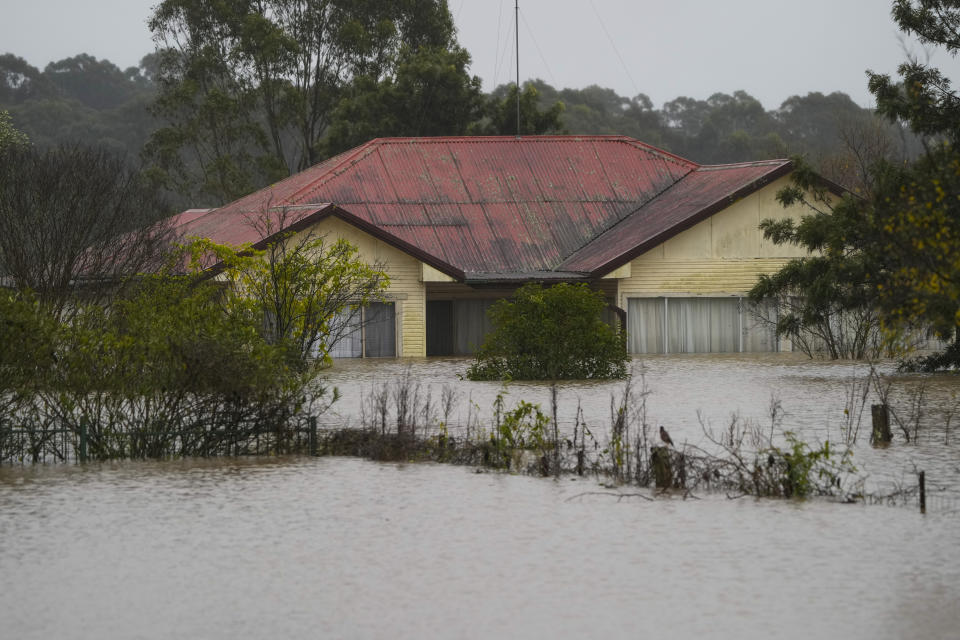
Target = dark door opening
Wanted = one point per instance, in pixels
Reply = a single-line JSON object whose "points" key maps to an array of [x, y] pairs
{"points": [[439, 327]]}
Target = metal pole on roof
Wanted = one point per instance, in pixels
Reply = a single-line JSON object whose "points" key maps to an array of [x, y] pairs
{"points": [[516, 30]]}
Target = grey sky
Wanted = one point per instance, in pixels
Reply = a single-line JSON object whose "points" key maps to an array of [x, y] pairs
{"points": [[665, 48]]}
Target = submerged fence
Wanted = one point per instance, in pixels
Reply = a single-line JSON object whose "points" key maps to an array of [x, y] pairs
{"points": [[58, 442]]}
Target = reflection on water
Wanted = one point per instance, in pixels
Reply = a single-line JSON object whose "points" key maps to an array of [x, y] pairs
{"points": [[687, 390], [346, 548]]}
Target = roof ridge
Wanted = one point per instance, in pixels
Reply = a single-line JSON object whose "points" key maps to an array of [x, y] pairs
{"points": [[748, 163], [553, 138]]}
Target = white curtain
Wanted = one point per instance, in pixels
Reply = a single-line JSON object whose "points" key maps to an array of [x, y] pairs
{"points": [[703, 325], [349, 345], [697, 325], [759, 326], [380, 330], [645, 325]]}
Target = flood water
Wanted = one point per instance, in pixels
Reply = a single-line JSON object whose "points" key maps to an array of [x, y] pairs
{"points": [[348, 548], [688, 393]]}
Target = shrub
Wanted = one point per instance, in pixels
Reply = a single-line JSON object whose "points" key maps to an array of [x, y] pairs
{"points": [[551, 334]]}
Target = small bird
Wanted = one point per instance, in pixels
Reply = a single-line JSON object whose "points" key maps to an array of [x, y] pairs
{"points": [[665, 436]]}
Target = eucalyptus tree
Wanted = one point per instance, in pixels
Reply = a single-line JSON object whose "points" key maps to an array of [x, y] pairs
{"points": [[248, 88]]}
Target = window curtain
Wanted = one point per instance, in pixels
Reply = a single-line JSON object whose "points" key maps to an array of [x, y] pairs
{"points": [[645, 325], [759, 326], [380, 330], [349, 345], [704, 325], [470, 325]]}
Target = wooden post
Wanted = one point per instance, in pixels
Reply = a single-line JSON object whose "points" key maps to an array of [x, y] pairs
{"points": [[312, 423], [83, 439], [556, 431], [923, 492], [881, 424], [662, 468]]}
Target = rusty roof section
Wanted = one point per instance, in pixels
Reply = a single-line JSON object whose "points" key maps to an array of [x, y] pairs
{"points": [[698, 196], [485, 209]]}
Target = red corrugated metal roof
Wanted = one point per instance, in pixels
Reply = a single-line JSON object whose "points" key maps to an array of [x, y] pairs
{"points": [[498, 207], [695, 198]]}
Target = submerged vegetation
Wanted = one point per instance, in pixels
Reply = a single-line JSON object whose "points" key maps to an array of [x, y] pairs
{"points": [[553, 333], [400, 421], [175, 363]]}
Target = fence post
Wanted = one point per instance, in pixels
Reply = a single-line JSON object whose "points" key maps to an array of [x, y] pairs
{"points": [[312, 421], [662, 467], [923, 492], [881, 424], [83, 439]]}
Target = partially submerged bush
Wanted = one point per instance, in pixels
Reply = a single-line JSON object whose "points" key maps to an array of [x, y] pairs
{"points": [[555, 333]]}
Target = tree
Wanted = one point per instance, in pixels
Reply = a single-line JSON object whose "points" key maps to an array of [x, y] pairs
{"points": [[9, 136], [79, 100], [903, 234], [303, 289], [500, 114], [75, 222], [923, 97], [429, 94], [248, 88], [826, 301], [554, 334]]}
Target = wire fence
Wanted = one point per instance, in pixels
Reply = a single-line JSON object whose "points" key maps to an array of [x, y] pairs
{"points": [[53, 442]]}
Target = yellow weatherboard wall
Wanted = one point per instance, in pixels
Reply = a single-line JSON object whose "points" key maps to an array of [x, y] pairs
{"points": [[722, 255], [406, 289]]}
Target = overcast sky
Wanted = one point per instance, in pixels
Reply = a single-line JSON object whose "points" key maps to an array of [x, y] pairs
{"points": [[664, 48]]}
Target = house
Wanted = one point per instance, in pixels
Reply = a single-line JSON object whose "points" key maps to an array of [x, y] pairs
{"points": [[460, 222]]}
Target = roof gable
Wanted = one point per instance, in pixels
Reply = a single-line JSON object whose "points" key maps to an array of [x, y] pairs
{"points": [[698, 196]]}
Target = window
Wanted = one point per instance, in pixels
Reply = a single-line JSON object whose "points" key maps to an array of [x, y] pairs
{"points": [[698, 325], [372, 333]]}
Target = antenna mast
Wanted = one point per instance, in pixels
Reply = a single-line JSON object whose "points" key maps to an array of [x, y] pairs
{"points": [[516, 30]]}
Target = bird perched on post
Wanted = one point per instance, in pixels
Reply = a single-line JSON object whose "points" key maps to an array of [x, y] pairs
{"points": [[665, 436]]}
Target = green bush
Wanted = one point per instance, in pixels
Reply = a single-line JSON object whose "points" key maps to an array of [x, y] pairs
{"points": [[555, 333]]}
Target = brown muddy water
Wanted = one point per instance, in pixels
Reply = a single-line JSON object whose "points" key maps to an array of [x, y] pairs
{"points": [[347, 548]]}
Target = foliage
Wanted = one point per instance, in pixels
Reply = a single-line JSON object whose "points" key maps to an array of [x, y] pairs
{"points": [[500, 114], [171, 334], [248, 89], [27, 334], [798, 470], [232, 121], [554, 333], [895, 251], [75, 221], [9, 136], [825, 301], [164, 371], [302, 290], [923, 97], [79, 100], [429, 93]]}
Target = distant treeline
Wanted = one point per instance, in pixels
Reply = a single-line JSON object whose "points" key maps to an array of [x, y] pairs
{"points": [[89, 101]]}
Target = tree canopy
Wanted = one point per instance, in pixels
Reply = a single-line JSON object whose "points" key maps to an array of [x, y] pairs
{"points": [[898, 246], [247, 89]]}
